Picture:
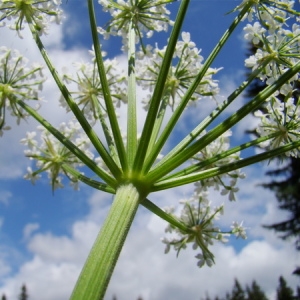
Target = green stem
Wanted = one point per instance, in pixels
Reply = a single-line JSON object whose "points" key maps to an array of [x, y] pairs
{"points": [[165, 216], [210, 161], [204, 124], [88, 181], [190, 151], [111, 111], [159, 88], [67, 143], [157, 125], [173, 182], [74, 107], [131, 108], [106, 131], [99, 266]]}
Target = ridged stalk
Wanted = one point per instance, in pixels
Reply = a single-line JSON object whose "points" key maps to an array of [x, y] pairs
{"points": [[96, 273]]}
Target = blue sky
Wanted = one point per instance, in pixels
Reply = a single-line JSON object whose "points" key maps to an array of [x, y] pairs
{"points": [[44, 238]]}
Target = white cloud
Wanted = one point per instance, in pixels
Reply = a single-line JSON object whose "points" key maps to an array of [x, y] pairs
{"points": [[143, 268], [44, 280], [29, 229]]}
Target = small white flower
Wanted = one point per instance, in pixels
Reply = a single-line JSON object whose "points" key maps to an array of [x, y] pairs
{"points": [[253, 33], [32, 176], [238, 230]]}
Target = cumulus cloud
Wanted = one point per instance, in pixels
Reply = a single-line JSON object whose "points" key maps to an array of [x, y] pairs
{"points": [[143, 268]]}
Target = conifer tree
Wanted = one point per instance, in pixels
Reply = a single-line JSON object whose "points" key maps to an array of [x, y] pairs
{"points": [[237, 292], [24, 294], [284, 292], [3, 297], [255, 292]]}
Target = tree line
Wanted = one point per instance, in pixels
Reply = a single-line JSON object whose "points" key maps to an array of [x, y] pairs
{"points": [[249, 292]]}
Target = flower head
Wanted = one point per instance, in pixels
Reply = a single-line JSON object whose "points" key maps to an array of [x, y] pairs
{"points": [[270, 13], [51, 156], [187, 64], [38, 13], [205, 159], [143, 15], [90, 95], [17, 82], [198, 216], [282, 119]]}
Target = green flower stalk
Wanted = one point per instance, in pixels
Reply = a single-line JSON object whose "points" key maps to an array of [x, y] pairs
{"points": [[132, 165]]}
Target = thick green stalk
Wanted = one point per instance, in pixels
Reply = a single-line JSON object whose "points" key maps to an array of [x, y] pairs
{"points": [[99, 266]]}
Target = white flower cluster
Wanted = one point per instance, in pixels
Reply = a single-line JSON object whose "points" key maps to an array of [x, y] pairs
{"points": [[281, 118], [18, 81], [199, 217], [51, 156], [187, 64], [271, 13], [39, 13], [146, 15], [277, 40], [197, 214], [205, 159], [89, 94], [281, 47]]}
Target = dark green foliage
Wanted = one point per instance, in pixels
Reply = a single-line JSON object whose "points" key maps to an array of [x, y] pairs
{"points": [[287, 192], [255, 293], [3, 297], [298, 293], [23, 295], [284, 292], [237, 292]]}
